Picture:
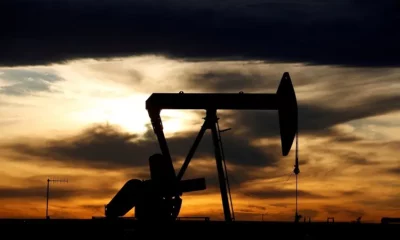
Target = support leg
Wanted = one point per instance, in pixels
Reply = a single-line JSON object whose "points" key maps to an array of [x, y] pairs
{"points": [[212, 120], [158, 130], [192, 151]]}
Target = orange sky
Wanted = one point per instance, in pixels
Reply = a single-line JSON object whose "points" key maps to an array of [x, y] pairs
{"points": [[53, 121]]}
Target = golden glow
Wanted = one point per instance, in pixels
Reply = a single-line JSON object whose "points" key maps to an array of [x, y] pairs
{"points": [[129, 113], [115, 91]]}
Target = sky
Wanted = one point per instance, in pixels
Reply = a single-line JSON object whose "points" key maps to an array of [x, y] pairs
{"points": [[75, 75]]}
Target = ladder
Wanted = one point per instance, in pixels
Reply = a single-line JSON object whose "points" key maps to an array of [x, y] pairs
{"points": [[225, 170]]}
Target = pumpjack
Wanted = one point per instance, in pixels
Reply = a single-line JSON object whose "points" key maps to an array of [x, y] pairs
{"points": [[159, 198]]}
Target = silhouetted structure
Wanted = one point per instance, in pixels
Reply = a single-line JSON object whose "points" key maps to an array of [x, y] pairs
{"points": [[297, 217], [387, 220], [48, 192], [358, 220], [159, 197], [155, 199], [97, 228]]}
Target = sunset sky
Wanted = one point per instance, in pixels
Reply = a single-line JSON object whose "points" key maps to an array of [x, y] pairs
{"points": [[75, 76]]}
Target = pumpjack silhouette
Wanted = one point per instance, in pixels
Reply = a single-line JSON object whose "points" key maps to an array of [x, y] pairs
{"points": [[159, 198]]}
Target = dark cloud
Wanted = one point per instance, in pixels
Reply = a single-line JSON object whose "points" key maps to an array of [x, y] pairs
{"points": [[280, 205], [354, 158], [256, 207], [105, 146], [251, 209], [351, 193], [395, 171], [340, 137], [228, 81], [314, 119], [247, 77], [338, 85], [239, 175], [362, 33], [393, 145], [26, 82], [76, 186], [383, 203], [101, 146], [308, 213], [113, 70], [96, 209], [56, 193], [346, 160], [334, 210], [281, 193]]}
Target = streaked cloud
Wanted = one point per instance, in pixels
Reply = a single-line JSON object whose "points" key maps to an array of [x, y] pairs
{"points": [[94, 130]]}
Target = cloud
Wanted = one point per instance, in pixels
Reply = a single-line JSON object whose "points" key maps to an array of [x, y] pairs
{"points": [[327, 96], [56, 193], [77, 187], [108, 147], [322, 83], [8, 122], [351, 193], [357, 158], [334, 143], [82, 184], [250, 209], [11, 104], [343, 33], [383, 203], [229, 81], [271, 193], [26, 82], [308, 213], [334, 210], [394, 171], [315, 119], [246, 76], [100, 146]]}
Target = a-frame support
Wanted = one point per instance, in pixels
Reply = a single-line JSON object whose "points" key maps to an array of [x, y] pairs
{"points": [[210, 122]]}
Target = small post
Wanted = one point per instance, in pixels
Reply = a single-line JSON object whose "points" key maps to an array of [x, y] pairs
{"points": [[47, 198], [48, 192]]}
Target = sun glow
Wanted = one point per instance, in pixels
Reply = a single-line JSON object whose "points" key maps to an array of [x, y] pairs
{"points": [[130, 113], [177, 121]]}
